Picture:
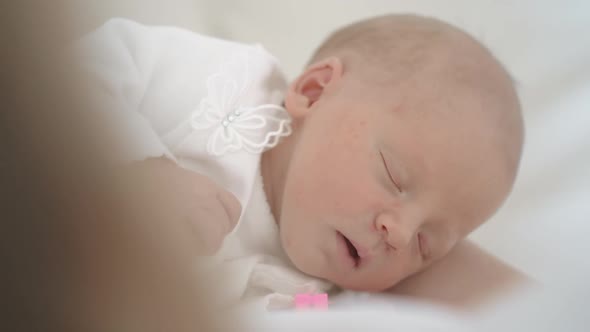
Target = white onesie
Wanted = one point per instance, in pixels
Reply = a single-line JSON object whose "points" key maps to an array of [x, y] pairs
{"points": [[213, 106]]}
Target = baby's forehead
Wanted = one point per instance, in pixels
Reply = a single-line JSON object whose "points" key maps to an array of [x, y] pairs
{"points": [[446, 143]]}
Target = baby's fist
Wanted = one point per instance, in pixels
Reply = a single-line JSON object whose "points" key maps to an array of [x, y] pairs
{"points": [[189, 208]]}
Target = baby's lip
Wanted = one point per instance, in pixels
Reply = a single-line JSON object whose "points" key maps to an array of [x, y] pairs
{"points": [[362, 251], [362, 254]]}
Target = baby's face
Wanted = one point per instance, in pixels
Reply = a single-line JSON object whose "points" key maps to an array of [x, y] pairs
{"points": [[381, 184]]}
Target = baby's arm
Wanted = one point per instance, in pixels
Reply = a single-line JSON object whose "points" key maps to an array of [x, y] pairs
{"points": [[117, 61], [467, 277], [125, 64]]}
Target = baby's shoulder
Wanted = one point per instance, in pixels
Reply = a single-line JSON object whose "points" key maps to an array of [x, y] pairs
{"points": [[157, 41]]}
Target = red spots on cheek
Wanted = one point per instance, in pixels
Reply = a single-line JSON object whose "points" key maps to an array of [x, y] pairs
{"points": [[361, 128], [338, 203], [299, 194], [286, 240]]}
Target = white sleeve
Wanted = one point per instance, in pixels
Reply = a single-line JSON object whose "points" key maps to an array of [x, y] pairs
{"points": [[153, 81], [119, 58]]}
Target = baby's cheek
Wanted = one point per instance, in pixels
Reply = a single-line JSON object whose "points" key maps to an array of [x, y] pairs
{"points": [[296, 252], [398, 270], [286, 241]]}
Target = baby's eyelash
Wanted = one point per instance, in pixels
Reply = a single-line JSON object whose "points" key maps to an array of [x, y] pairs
{"points": [[389, 173]]}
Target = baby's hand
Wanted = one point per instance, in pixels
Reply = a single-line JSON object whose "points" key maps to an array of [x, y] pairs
{"points": [[189, 206]]}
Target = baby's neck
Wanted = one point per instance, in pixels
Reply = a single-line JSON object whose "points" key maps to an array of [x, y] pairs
{"points": [[274, 165]]}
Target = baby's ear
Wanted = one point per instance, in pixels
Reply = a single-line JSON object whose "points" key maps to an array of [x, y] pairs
{"points": [[310, 86]]}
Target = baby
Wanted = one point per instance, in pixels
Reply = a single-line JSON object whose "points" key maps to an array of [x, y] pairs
{"points": [[407, 136], [401, 136]]}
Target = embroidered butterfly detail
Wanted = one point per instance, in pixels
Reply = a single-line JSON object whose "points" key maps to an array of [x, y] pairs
{"points": [[236, 126]]}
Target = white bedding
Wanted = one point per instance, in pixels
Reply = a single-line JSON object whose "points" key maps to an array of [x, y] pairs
{"points": [[543, 228]]}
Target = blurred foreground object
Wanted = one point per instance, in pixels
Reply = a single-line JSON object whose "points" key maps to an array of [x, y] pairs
{"points": [[78, 246]]}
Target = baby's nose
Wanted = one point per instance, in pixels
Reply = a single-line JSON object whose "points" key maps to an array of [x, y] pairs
{"points": [[396, 232]]}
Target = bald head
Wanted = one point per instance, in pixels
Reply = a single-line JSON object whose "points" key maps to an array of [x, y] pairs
{"points": [[438, 63], [394, 45]]}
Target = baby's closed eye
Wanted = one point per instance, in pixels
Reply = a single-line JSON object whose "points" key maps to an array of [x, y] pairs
{"points": [[389, 174]]}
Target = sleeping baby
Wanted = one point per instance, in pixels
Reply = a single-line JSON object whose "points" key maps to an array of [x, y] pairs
{"points": [[401, 136]]}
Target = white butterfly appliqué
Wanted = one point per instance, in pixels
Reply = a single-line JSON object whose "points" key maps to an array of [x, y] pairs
{"points": [[236, 126]]}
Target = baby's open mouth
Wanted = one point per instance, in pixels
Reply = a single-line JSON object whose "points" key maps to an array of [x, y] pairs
{"points": [[352, 251]]}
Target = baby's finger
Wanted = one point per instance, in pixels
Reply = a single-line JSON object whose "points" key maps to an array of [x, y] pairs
{"points": [[210, 224]]}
